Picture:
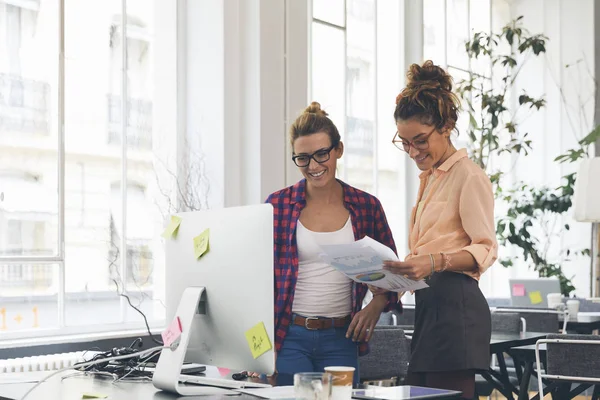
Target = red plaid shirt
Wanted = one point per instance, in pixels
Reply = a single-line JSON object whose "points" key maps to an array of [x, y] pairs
{"points": [[368, 219]]}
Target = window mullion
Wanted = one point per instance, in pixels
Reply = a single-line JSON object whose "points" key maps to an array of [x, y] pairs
{"points": [[61, 164], [376, 106], [124, 122]]}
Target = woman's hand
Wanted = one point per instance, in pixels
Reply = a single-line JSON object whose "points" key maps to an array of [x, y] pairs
{"points": [[416, 268], [362, 325], [377, 291], [251, 374]]}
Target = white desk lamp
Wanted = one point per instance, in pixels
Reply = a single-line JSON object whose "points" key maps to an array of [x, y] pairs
{"points": [[586, 206]]}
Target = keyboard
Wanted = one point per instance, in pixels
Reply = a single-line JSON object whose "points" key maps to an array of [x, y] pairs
{"points": [[220, 382]]}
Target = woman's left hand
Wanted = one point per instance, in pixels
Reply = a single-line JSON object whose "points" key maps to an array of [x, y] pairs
{"points": [[416, 268], [362, 325]]}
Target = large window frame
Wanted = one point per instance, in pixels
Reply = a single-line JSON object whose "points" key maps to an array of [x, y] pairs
{"points": [[56, 261], [372, 43]]}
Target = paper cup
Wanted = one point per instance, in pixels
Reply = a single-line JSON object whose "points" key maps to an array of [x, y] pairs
{"points": [[573, 307], [341, 379], [554, 300]]}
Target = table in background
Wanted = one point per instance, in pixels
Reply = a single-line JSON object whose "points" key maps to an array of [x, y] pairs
{"points": [[499, 344]]}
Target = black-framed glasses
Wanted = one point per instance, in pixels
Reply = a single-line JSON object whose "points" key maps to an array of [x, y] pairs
{"points": [[320, 156], [421, 143]]}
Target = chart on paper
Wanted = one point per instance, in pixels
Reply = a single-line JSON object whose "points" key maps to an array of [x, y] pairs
{"points": [[362, 261]]}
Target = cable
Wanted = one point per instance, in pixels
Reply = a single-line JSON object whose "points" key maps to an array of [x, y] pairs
{"points": [[89, 363], [142, 362], [141, 313]]}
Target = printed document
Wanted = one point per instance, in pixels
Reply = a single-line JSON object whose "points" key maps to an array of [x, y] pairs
{"points": [[362, 261]]}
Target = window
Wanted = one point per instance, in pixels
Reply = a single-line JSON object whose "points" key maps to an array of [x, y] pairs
{"points": [[355, 76], [69, 212]]}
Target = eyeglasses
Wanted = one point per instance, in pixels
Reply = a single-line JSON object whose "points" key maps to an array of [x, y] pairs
{"points": [[320, 156], [421, 143]]}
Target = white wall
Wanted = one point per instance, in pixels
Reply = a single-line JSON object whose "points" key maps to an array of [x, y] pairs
{"points": [[238, 100]]}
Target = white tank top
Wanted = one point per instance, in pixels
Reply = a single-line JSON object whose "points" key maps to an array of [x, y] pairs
{"points": [[321, 291]]}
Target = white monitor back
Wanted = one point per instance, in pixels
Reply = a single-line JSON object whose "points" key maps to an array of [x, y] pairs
{"points": [[237, 273]]}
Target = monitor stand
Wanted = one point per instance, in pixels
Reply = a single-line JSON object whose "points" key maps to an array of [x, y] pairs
{"points": [[168, 368]]}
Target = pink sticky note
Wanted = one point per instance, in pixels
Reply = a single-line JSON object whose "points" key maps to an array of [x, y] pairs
{"points": [[518, 289], [172, 333], [223, 371]]}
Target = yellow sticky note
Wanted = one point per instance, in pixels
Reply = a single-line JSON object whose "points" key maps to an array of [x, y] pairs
{"points": [[93, 396], [201, 244], [172, 228], [258, 340], [535, 297]]}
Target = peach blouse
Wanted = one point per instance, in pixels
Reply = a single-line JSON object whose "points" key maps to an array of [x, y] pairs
{"points": [[455, 211]]}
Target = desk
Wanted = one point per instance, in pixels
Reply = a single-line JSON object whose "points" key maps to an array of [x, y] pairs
{"points": [[499, 344], [524, 356], [72, 389], [583, 327]]}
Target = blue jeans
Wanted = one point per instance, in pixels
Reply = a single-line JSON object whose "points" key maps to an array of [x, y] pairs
{"points": [[304, 350]]}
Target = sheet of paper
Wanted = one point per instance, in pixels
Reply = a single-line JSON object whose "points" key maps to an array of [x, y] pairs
{"points": [[172, 228], [518, 290], [362, 261], [535, 297], [258, 340], [277, 392], [172, 333], [201, 243]]}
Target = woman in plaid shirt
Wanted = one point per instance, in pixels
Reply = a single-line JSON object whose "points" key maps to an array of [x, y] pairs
{"points": [[319, 319]]}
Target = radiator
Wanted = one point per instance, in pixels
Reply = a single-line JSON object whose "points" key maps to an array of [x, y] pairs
{"points": [[49, 362]]}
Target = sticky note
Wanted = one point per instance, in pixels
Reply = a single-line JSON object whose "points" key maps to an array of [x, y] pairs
{"points": [[258, 340], [93, 396], [172, 333], [535, 297], [201, 245], [518, 290], [172, 228], [224, 371]]}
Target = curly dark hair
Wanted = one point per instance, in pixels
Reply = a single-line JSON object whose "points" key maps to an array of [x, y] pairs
{"points": [[428, 97]]}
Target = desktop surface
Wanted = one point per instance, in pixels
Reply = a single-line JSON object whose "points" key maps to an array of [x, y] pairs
{"points": [[74, 387]]}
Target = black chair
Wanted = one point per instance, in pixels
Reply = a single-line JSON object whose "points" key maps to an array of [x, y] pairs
{"points": [[535, 319], [570, 359], [502, 322], [406, 319], [389, 356]]}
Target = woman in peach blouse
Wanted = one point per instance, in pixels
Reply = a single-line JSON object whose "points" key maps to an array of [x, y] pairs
{"points": [[452, 238]]}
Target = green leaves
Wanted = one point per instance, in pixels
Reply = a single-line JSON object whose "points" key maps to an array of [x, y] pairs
{"points": [[537, 103], [494, 130], [573, 155]]}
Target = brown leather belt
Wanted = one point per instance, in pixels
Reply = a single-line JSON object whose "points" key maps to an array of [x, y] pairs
{"points": [[317, 324]]}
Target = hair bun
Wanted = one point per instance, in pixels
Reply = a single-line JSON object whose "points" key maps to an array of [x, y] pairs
{"points": [[428, 76], [315, 108]]}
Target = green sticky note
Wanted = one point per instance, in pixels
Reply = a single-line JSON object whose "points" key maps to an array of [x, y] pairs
{"points": [[93, 396], [201, 244], [258, 340], [172, 228], [535, 297]]}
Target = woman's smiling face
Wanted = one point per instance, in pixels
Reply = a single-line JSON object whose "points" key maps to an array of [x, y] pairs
{"points": [[423, 143]]}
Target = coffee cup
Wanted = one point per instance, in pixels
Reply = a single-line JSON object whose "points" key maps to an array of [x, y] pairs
{"points": [[573, 307], [341, 380], [554, 300]]}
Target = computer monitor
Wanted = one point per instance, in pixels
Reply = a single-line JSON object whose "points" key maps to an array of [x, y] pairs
{"points": [[532, 292], [237, 276]]}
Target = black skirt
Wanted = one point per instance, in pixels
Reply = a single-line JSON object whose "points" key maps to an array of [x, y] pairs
{"points": [[453, 325]]}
